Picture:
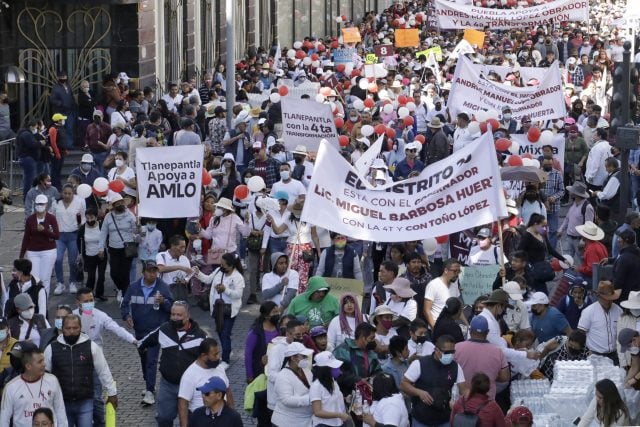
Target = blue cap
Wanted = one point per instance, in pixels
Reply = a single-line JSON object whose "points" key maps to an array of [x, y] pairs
{"points": [[281, 195], [479, 324], [213, 384]]}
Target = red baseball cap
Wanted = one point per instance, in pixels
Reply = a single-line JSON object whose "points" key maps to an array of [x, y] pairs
{"points": [[519, 414]]}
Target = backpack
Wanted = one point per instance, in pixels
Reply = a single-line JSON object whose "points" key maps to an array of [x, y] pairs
{"points": [[583, 209], [468, 418]]}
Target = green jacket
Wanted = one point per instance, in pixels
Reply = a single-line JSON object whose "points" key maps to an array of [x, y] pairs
{"points": [[353, 359], [317, 313]]}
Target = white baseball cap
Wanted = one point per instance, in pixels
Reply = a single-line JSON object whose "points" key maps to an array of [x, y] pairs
{"points": [[326, 358]]}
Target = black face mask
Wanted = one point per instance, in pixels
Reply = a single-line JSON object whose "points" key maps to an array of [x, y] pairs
{"points": [[120, 208], [283, 331], [573, 351], [71, 339], [177, 324], [371, 345], [212, 364], [300, 340], [91, 223], [422, 339], [274, 319], [97, 120]]}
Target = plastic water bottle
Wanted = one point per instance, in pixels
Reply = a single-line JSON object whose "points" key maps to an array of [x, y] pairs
{"points": [[357, 403], [156, 305], [365, 407]]}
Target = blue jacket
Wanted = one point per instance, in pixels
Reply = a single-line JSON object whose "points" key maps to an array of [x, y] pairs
{"points": [[88, 178], [145, 318], [403, 170]]}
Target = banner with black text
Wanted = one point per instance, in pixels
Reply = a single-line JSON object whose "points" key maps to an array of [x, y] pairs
{"points": [[462, 191], [306, 123], [169, 181]]}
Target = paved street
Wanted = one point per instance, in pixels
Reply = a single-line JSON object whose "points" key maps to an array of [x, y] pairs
{"points": [[123, 358]]}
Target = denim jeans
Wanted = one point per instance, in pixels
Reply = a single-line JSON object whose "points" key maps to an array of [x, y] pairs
{"points": [[79, 413], [552, 227], [98, 160], [167, 403], [149, 362], [98, 401], [29, 166], [225, 337], [67, 242]]}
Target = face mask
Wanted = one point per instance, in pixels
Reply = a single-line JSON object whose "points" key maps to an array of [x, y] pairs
{"points": [[85, 167], [218, 212], [284, 175], [506, 116], [71, 339], [177, 324], [212, 364], [340, 245], [87, 307], [119, 162], [298, 159], [281, 157], [335, 373], [120, 208], [371, 345], [151, 227], [28, 314], [58, 324], [484, 243], [635, 312], [274, 319], [633, 350], [353, 119], [565, 39], [547, 168], [91, 223], [573, 351], [387, 324], [3, 335], [542, 230], [446, 359], [85, 89], [303, 364], [265, 73], [421, 339], [40, 208]]}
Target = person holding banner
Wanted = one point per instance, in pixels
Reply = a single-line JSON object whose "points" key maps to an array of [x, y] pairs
{"points": [[339, 260]]}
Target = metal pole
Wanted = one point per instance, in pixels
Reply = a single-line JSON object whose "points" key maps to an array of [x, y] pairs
{"points": [[231, 81], [624, 167]]}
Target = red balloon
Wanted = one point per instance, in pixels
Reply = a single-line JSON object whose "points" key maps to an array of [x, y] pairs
{"points": [[373, 87], [442, 239], [99, 193], [419, 17], [380, 129], [320, 48], [527, 156], [300, 54], [116, 186], [340, 68], [339, 122], [206, 178], [408, 121], [334, 44], [395, 23], [241, 192], [283, 90], [402, 100], [515, 160], [369, 103], [344, 18], [555, 264], [326, 91], [391, 133], [483, 127], [343, 140], [534, 134], [420, 139], [355, 73], [503, 144], [315, 57], [495, 124]]}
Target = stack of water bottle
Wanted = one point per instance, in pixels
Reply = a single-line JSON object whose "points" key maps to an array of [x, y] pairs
{"points": [[530, 393], [604, 368], [571, 391]]}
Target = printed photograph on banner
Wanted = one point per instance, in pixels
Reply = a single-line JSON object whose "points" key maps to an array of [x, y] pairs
{"points": [[454, 194], [169, 181], [306, 123]]}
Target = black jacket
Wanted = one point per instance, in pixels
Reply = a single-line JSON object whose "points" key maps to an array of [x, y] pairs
{"points": [[177, 353], [626, 271]]}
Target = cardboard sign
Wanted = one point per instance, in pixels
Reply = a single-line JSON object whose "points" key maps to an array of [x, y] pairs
{"points": [[341, 286], [476, 281], [407, 37], [474, 37], [436, 50], [383, 50], [371, 58], [343, 56], [307, 123], [351, 35]]}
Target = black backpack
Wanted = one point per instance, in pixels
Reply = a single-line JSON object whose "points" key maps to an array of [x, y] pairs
{"points": [[468, 418]]}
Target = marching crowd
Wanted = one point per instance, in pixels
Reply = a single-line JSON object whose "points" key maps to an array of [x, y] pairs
{"points": [[407, 349]]}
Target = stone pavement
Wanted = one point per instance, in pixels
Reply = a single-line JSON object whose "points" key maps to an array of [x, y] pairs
{"points": [[123, 358]]}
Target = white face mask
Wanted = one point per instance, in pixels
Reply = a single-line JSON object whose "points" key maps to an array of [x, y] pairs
{"points": [[284, 175], [41, 208], [28, 314], [635, 312], [634, 351], [218, 212], [304, 363], [281, 157], [119, 162]]}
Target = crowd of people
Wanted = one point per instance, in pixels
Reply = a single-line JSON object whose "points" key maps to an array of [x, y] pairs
{"points": [[405, 350]]}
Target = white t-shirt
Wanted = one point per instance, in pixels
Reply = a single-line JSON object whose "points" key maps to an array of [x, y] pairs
{"points": [[439, 293], [335, 335], [128, 174], [67, 217], [489, 257], [407, 309], [20, 399], [391, 411], [413, 372], [425, 349], [194, 377], [386, 339], [331, 402], [293, 188], [165, 258]]}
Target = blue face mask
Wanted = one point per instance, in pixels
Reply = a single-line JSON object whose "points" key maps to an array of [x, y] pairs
{"points": [[3, 334], [336, 372], [88, 306], [446, 359], [58, 324]]}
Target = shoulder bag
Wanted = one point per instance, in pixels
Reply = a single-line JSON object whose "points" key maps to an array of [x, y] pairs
{"points": [[220, 308], [214, 256], [130, 248], [254, 243]]}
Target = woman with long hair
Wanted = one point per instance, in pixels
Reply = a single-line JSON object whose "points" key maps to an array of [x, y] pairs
{"points": [[326, 398], [344, 324], [479, 403], [292, 386], [388, 406], [224, 229], [227, 284], [262, 332], [536, 244], [447, 322], [229, 178], [607, 408], [124, 173]]}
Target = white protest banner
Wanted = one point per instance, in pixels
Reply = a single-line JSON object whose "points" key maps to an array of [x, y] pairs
{"points": [[306, 122], [535, 148], [366, 159], [526, 73], [343, 56], [305, 88], [454, 194], [169, 181], [471, 92], [462, 48], [452, 15], [476, 281]]}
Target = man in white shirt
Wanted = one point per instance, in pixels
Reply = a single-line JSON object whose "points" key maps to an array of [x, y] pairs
{"points": [[600, 322], [421, 113], [440, 289], [173, 98], [34, 389], [198, 373], [461, 136], [485, 252], [275, 357], [419, 344], [292, 187], [301, 168], [610, 194], [174, 267], [281, 277], [516, 318], [596, 172]]}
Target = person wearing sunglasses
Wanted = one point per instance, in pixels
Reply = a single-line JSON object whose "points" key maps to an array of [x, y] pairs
{"points": [[215, 411], [411, 162]]}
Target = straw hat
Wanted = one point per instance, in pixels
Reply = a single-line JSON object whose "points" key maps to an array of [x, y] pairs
{"points": [[300, 149], [590, 231], [435, 123], [633, 301], [607, 291], [402, 288], [225, 203]]}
